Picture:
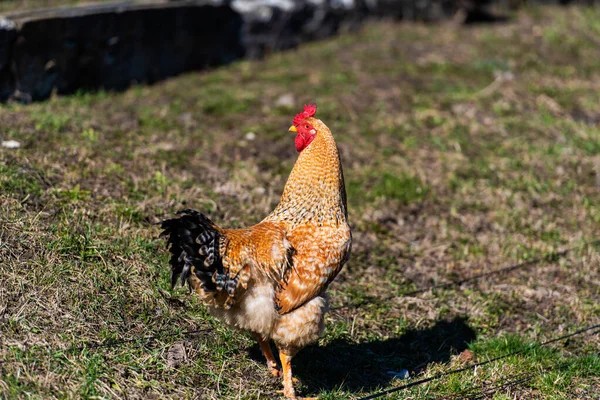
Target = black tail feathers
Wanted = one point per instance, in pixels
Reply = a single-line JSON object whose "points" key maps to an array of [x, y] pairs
{"points": [[193, 240]]}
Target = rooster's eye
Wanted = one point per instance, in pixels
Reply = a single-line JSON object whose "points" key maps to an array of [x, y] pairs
{"points": [[306, 126]]}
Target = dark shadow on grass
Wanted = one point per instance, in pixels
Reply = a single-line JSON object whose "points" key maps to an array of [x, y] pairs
{"points": [[367, 366], [481, 16]]}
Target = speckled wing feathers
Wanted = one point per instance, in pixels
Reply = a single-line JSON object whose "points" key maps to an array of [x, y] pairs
{"points": [[224, 261], [321, 251], [263, 248]]}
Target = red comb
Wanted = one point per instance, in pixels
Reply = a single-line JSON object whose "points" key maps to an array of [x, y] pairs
{"points": [[309, 111]]}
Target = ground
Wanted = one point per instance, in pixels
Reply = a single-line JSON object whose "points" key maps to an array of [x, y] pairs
{"points": [[466, 149]]}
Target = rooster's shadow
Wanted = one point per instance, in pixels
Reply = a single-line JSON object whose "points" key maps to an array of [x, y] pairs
{"points": [[366, 366]]}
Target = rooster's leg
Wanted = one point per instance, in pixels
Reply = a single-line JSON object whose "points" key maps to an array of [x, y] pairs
{"points": [[266, 349], [285, 355], [286, 365], [288, 381]]}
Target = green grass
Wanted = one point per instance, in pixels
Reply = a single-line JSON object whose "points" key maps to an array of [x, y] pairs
{"points": [[464, 150]]}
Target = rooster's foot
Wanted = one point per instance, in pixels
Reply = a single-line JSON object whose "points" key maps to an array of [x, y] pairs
{"points": [[292, 396], [277, 372]]}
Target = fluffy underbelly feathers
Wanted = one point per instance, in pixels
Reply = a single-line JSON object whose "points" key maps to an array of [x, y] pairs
{"points": [[255, 312]]}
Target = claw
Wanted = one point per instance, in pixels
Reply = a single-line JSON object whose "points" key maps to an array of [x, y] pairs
{"points": [[277, 372], [273, 369]]}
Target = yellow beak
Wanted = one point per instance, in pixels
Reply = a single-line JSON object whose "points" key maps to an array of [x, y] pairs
{"points": [[292, 129]]}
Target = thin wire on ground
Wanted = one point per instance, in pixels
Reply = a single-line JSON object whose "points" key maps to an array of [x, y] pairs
{"points": [[513, 383], [475, 365], [516, 381], [552, 257]]}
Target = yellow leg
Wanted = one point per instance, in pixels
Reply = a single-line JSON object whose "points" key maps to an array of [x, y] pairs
{"points": [[266, 349], [288, 381], [286, 366]]}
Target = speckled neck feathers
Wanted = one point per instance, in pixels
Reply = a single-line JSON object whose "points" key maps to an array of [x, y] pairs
{"points": [[315, 190]]}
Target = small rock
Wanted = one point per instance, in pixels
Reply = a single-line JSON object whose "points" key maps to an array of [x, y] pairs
{"points": [[285, 101], [11, 144], [402, 374], [176, 355], [250, 136]]}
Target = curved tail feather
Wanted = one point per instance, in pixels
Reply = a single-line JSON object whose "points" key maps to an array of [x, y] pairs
{"points": [[193, 240]]}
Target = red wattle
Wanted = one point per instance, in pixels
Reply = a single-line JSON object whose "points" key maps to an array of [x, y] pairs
{"points": [[300, 143]]}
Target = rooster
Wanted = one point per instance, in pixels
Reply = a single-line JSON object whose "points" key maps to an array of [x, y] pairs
{"points": [[270, 279]]}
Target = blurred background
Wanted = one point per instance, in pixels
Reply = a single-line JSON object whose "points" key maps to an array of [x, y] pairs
{"points": [[470, 138]]}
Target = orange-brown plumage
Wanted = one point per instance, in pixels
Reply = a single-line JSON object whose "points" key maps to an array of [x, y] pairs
{"points": [[270, 279]]}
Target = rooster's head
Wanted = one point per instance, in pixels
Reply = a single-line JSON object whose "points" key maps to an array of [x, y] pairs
{"points": [[303, 127]]}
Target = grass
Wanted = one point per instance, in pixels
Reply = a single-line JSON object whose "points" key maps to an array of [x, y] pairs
{"points": [[7, 6], [465, 150]]}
